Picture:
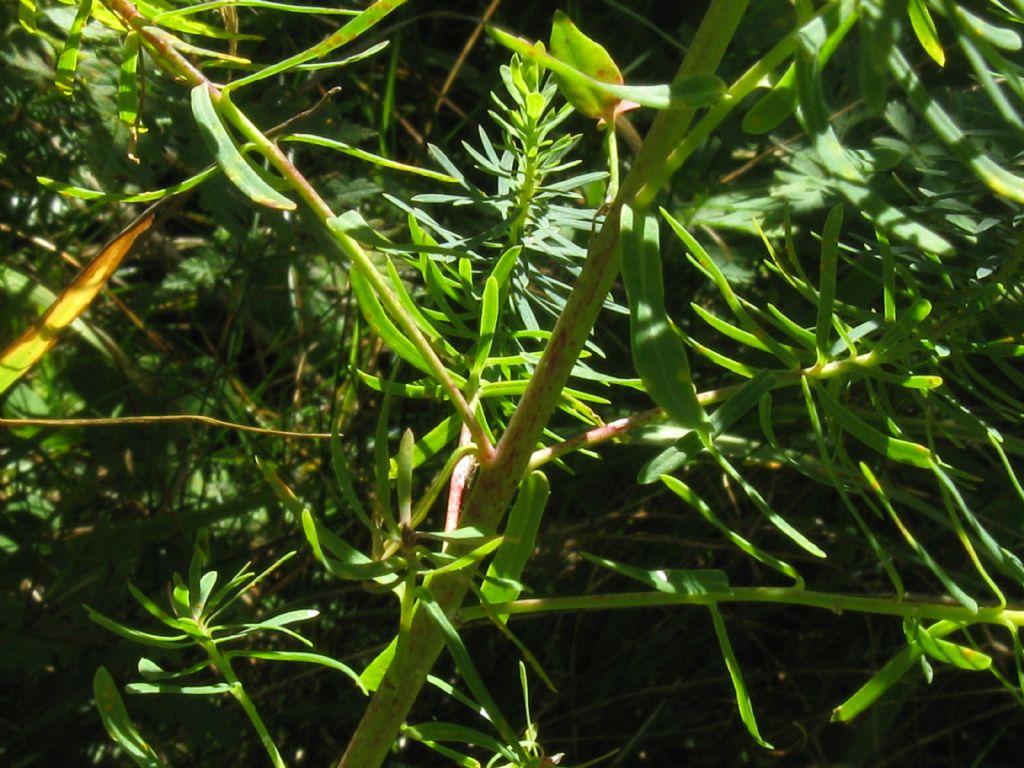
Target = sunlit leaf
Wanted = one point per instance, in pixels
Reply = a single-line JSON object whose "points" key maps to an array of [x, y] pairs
{"points": [[672, 581], [67, 62], [683, 491], [84, 193], [570, 45], [886, 677], [959, 656], [214, 689], [893, 448], [827, 288], [694, 91], [924, 28], [212, 5], [235, 166], [361, 154], [995, 177], [350, 31], [27, 12], [303, 657]]}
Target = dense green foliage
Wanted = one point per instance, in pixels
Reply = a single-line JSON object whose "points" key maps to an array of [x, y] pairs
{"points": [[804, 393]]}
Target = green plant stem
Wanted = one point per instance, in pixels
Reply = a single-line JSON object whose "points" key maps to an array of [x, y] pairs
{"points": [[831, 601], [499, 476], [180, 66], [655, 164], [238, 691], [612, 149]]}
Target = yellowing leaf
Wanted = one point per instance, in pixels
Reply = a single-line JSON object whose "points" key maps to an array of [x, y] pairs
{"points": [[35, 342]]}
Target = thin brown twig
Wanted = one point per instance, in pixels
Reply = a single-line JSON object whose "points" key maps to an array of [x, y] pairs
{"points": [[442, 96], [121, 421]]}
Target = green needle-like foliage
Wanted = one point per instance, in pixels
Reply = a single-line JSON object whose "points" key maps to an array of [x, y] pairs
{"points": [[393, 269]]}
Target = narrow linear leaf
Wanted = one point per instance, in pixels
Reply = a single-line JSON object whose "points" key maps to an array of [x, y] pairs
{"points": [[40, 337], [762, 505], [153, 8], [489, 310], [213, 689], [738, 405], [373, 674], [995, 177], [437, 731], [814, 111], [959, 656], [904, 326], [118, 723], [468, 670], [340, 558], [84, 193], [378, 319], [352, 30], [235, 166], [195, 50], [1007, 561], [874, 688], [951, 586], [212, 5], [924, 29], [27, 12], [781, 101], [152, 671], [886, 677], [67, 62], [684, 492], [404, 477], [883, 215], [410, 305], [892, 448], [152, 608], [128, 84], [774, 107], [878, 32], [702, 259], [343, 479], [138, 636], [659, 354], [383, 162], [827, 287], [743, 703], [1000, 37], [672, 581], [517, 541], [303, 657]]}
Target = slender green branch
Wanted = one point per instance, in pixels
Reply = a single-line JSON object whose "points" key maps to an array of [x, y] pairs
{"points": [[830, 601], [242, 697]]}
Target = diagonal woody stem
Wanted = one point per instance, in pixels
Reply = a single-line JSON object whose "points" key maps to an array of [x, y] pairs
{"points": [[499, 477]]}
